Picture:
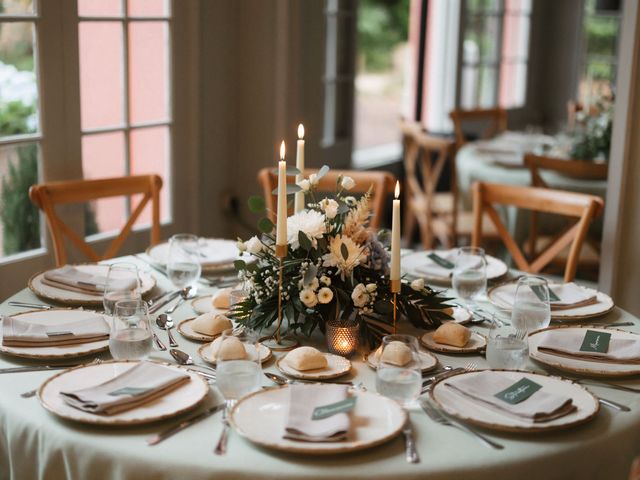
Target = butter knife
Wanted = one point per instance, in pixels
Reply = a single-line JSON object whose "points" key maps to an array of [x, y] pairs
{"points": [[155, 439], [37, 368]]}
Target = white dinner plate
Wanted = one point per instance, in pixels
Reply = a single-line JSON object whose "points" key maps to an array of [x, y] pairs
{"points": [[414, 262], [476, 342], [427, 360], [67, 297], [583, 367], [458, 315], [337, 366], [220, 253], [472, 411], [260, 417], [603, 305], [56, 316], [175, 402], [205, 353]]}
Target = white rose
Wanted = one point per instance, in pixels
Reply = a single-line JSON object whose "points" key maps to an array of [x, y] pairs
{"points": [[371, 287], [253, 245], [325, 295], [241, 246], [313, 179], [309, 298], [325, 280], [330, 208], [418, 284], [348, 183], [359, 295], [305, 185]]}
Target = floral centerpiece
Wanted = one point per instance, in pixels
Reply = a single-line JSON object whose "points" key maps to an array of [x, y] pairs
{"points": [[336, 268], [593, 133]]}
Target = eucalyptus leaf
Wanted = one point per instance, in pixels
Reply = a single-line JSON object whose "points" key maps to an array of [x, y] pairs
{"points": [[290, 172], [291, 189], [240, 265], [343, 208], [323, 171], [256, 204], [265, 225], [309, 275]]}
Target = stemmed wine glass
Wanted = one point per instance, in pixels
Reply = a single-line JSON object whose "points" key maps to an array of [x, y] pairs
{"points": [[130, 337], [400, 383], [469, 277], [531, 307], [123, 283], [184, 267]]}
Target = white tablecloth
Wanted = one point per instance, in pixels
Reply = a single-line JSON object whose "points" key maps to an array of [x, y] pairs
{"points": [[34, 444]]}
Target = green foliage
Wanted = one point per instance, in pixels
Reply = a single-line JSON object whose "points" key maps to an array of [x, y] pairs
{"points": [[382, 25], [14, 118]]}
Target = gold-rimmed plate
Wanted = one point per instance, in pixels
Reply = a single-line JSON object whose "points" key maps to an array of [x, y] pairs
{"points": [[55, 316], [175, 402], [478, 413], [259, 418], [203, 305], [337, 367], [580, 366], [185, 328], [420, 265], [205, 353], [476, 342], [218, 254], [428, 361], [68, 297]]}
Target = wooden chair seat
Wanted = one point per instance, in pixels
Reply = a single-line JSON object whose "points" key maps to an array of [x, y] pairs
{"points": [[47, 195]]}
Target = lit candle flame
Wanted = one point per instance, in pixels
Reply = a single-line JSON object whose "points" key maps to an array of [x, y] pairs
{"points": [[397, 189], [282, 149], [300, 131]]}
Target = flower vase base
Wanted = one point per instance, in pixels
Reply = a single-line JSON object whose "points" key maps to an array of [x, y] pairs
{"points": [[285, 343]]}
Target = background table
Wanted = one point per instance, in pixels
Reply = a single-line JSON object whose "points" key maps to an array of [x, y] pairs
{"points": [[34, 444]]}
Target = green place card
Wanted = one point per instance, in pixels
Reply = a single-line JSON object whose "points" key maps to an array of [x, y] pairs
{"points": [[443, 262], [539, 291], [132, 391], [519, 391], [595, 342], [327, 411]]}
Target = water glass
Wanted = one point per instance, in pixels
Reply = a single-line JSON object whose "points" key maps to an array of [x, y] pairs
{"points": [[130, 337], [123, 283], [400, 383], [531, 309], [469, 277], [184, 267], [507, 346], [237, 378]]}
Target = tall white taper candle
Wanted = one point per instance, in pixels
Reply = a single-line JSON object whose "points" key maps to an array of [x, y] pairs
{"points": [[299, 202], [281, 225], [395, 237]]}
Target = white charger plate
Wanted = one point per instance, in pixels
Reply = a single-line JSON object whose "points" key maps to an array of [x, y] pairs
{"points": [[205, 353], [180, 400], [583, 367], [427, 361], [413, 262], [56, 316], [67, 297], [337, 366], [226, 249], [260, 417], [476, 342], [468, 410], [603, 305]]}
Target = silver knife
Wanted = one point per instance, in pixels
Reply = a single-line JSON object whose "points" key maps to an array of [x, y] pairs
{"points": [[410, 452], [37, 368], [166, 300], [155, 439]]}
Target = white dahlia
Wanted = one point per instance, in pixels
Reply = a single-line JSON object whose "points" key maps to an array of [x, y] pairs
{"points": [[310, 222]]}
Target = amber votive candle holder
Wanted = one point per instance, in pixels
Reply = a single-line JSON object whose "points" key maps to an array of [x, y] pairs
{"points": [[343, 339]]}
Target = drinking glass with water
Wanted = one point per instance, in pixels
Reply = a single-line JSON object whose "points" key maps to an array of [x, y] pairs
{"points": [[130, 337], [469, 277], [123, 283], [506, 346], [401, 383], [531, 308], [184, 267]]}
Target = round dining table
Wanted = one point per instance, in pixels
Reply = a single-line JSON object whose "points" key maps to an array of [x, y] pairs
{"points": [[35, 444]]}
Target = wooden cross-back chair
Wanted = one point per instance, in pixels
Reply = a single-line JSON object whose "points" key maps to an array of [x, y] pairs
{"points": [[381, 183], [425, 157], [495, 118], [47, 195], [580, 206]]}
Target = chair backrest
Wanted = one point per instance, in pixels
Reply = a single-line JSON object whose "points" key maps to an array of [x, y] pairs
{"points": [[582, 169], [581, 206], [47, 195], [495, 118], [381, 183]]}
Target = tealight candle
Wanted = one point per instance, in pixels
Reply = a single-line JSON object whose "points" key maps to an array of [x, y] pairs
{"points": [[343, 340]]}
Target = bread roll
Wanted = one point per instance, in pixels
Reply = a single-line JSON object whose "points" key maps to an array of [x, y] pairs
{"points": [[231, 348], [396, 353], [221, 299], [211, 324], [452, 334], [306, 358]]}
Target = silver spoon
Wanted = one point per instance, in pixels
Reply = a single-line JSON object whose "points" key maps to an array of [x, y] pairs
{"points": [[185, 294], [165, 322], [183, 358]]}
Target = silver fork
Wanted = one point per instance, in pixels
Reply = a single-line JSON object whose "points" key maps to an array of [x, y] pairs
{"points": [[426, 385], [221, 447], [410, 452], [439, 417]]}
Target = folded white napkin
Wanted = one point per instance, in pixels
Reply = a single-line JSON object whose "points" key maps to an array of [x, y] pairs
{"points": [[570, 295], [75, 280], [218, 252], [20, 333], [432, 269], [542, 406], [141, 384], [303, 399], [567, 343]]}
